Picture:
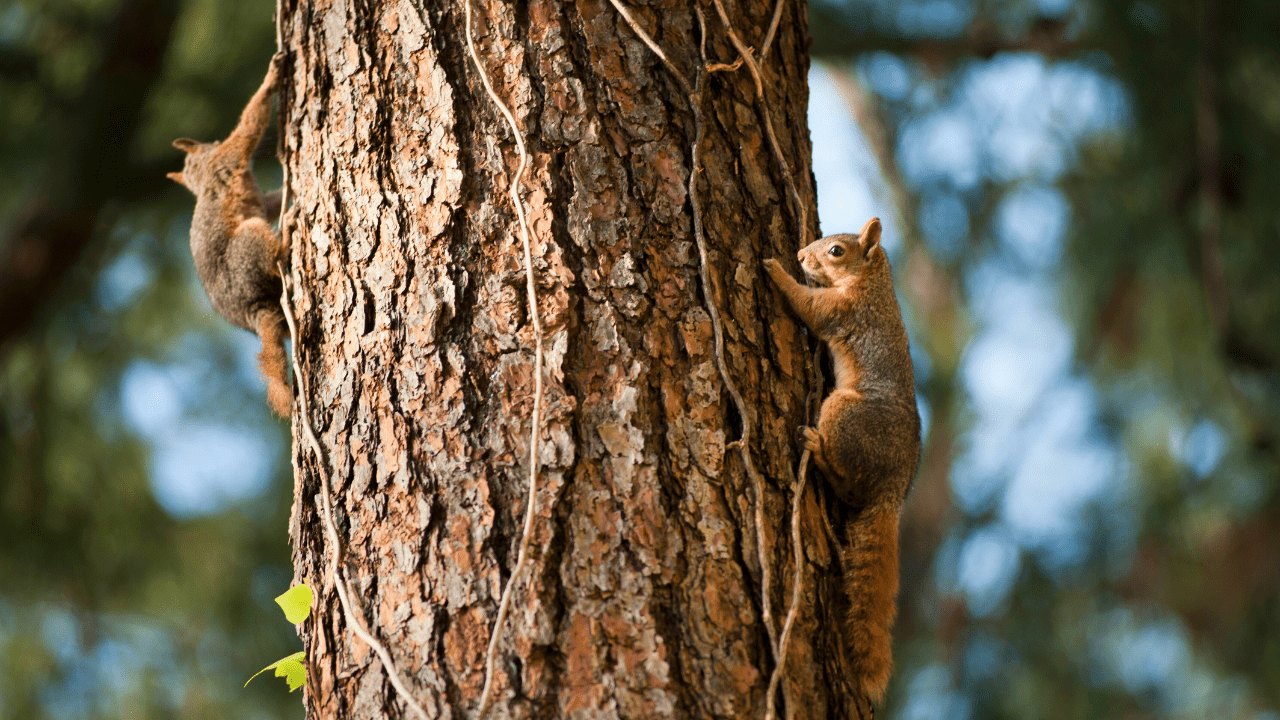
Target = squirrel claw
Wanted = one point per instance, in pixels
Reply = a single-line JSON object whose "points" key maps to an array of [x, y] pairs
{"points": [[812, 439], [277, 65], [806, 436]]}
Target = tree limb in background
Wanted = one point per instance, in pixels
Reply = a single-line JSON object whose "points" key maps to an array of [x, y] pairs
{"points": [[930, 286], [934, 293], [52, 232], [834, 38], [1208, 142]]}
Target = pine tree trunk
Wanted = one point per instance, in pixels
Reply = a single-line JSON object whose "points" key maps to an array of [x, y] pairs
{"points": [[641, 597]]}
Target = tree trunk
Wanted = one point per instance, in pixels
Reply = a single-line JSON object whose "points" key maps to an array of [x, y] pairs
{"points": [[642, 593]]}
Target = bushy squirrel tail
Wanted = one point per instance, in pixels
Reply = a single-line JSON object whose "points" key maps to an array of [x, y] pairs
{"points": [[273, 362], [871, 584]]}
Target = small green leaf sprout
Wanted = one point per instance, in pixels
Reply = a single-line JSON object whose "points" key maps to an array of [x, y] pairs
{"points": [[296, 603], [289, 668]]}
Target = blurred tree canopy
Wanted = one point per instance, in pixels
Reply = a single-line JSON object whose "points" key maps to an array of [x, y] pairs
{"points": [[1084, 197], [123, 591]]}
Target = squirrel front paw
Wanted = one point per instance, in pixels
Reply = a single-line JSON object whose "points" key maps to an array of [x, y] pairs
{"points": [[774, 268], [273, 71]]}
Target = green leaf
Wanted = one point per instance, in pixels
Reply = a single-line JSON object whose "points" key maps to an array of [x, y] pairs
{"points": [[293, 672], [290, 668], [296, 603]]}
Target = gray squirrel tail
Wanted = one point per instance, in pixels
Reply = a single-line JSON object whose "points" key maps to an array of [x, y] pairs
{"points": [[273, 362], [871, 582]]}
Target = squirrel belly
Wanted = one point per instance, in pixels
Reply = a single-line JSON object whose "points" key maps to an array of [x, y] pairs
{"points": [[867, 439], [233, 244]]}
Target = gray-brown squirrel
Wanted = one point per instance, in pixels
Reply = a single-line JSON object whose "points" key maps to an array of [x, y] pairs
{"points": [[232, 242], [867, 442]]}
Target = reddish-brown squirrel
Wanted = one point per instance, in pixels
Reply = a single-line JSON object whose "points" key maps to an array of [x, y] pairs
{"points": [[867, 442], [232, 241]]}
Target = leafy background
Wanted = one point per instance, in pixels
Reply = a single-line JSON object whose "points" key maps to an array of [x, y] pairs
{"points": [[1081, 202]]}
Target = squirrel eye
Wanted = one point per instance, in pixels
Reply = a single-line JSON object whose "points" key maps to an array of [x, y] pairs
{"points": [[836, 251]]}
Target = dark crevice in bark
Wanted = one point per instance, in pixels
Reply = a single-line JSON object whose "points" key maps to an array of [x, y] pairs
{"points": [[668, 622], [552, 587], [468, 123], [575, 44], [443, 622]]}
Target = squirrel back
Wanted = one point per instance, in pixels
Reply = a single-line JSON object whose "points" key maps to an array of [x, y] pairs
{"points": [[234, 247], [867, 442]]}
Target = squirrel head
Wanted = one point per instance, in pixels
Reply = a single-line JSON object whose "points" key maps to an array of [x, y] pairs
{"points": [[193, 170], [836, 259]]}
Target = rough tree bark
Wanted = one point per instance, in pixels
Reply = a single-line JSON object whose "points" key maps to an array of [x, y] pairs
{"points": [[642, 594]]}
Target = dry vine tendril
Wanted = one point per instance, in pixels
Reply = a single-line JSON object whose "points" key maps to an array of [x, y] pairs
{"points": [[694, 96], [505, 603], [799, 212]]}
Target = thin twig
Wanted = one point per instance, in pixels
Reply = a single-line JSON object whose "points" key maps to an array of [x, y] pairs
{"points": [[532, 293], [773, 29], [812, 403], [797, 207], [724, 67], [785, 637], [335, 548], [743, 444]]}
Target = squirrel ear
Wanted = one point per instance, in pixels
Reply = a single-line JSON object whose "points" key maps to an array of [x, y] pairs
{"points": [[869, 238], [177, 177], [186, 145]]}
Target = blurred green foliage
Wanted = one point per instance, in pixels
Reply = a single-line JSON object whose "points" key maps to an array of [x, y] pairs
{"points": [[111, 605], [1159, 595]]}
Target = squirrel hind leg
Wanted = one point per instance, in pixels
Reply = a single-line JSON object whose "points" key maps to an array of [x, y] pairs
{"points": [[871, 447], [271, 204], [273, 363], [811, 440]]}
